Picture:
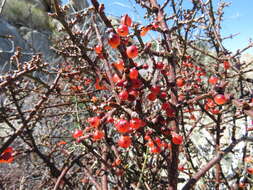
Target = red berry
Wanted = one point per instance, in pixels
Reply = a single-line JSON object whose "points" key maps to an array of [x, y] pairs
{"points": [[119, 65], [210, 103], [155, 89], [122, 126], [126, 20], [123, 95], [145, 66], [133, 93], [135, 84], [150, 143], [77, 133], [122, 30], [180, 82], [158, 141], [135, 123], [144, 31], [177, 139], [143, 123], [110, 119], [94, 121], [124, 141], [226, 65], [147, 137], [7, 155], [165, 106], [121, 83], [213, 80], [132, 51], [98, 135], [170, 112], [159, 65], [155, 150], [215, 111], [181, 168], [163, 95], [98, 49], [133, 74], [220, 99], [250, 170], [113, 40], [152, 97]]}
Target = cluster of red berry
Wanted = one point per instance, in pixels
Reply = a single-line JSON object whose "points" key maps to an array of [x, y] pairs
{"points": [[130, 87]]}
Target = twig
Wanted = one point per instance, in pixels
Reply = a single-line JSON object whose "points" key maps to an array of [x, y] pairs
{"points": [[142, 169], [212, 162], [30, 116], [2, 6]]}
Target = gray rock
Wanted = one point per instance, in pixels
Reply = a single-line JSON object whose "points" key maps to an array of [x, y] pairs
{"points": [[39, 43], [8, 46], [79, 4], [23, 30], [8, 29], [30, 41], [248, 59]]}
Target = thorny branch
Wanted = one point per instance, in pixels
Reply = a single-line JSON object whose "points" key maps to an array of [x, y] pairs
{"points": [[72, 126]]}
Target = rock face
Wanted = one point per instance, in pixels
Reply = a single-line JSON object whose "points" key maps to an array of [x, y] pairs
{"points": [[79, 4], [248, 59], [30, 41], [31, 28], [7, 46], [39, 43]]}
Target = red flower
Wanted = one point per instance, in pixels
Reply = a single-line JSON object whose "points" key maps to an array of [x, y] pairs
{"points": [[7, 155]]}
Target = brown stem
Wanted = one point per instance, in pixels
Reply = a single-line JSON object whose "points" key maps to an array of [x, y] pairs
{"points": [[105, 177], [173, 166], [217, 149], [212, 162], [58, 182], [30, 116]]}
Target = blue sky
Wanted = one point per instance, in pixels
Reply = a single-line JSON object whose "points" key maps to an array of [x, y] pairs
{"points": [[238, 18]]}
